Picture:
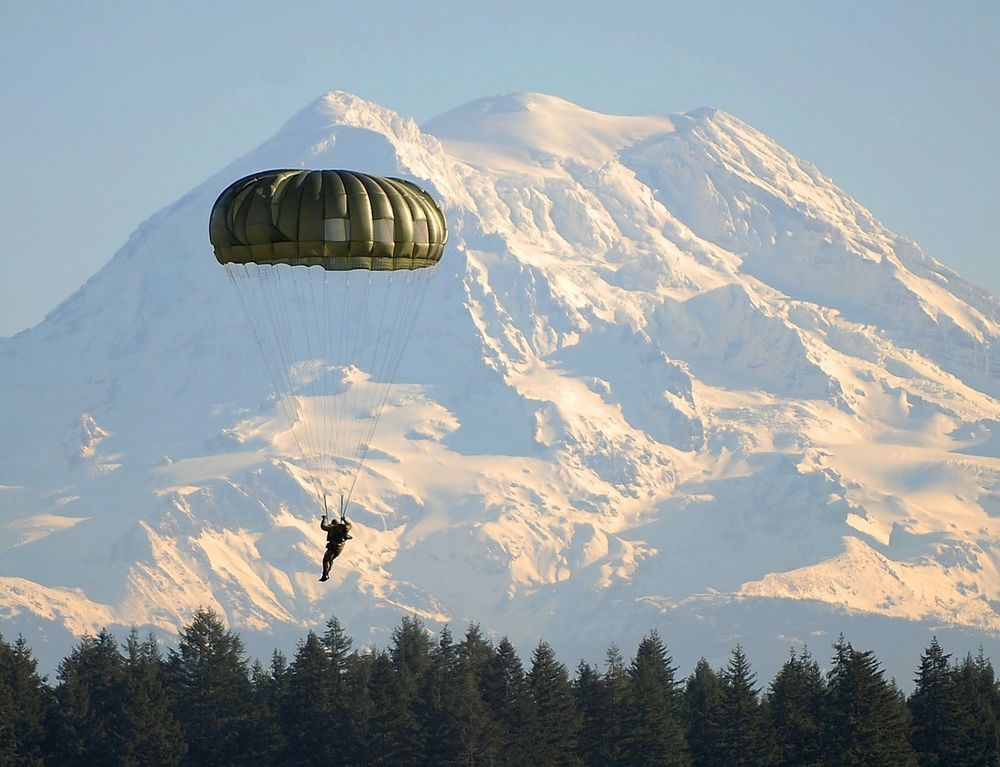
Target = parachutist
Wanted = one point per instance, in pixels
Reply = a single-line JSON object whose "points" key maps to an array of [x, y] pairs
{"points": [[290, 241], [337, 534]]}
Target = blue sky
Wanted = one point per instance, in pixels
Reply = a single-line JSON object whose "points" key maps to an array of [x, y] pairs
{"points": [[111, 110]]}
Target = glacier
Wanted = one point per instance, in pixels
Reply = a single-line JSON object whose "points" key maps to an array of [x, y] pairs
{"points": [[668, 375]]}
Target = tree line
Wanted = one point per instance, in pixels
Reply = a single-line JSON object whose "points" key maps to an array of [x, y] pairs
{"points": [[432, 700]]}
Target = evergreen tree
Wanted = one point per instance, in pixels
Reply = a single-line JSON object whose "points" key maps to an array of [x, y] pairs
{"points": [[703, 706], [438, 707], [476, 652], [270, 692], [8, 738], [213, 701], [937, 730], [359, 707], [25, 704], [867, 720], [744, 735], [554, 720], [411, 660], [507, 696], [392, 728], [617, 688], [457, 724], [592, 704], [796, 708], [311, 714], [479, 728], [979, 698], [91, 725], [268, 745], [338, 645], [152, 734], [653, 732]]}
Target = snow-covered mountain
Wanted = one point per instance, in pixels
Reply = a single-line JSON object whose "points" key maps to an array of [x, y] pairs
{"points": [[668, 375]]}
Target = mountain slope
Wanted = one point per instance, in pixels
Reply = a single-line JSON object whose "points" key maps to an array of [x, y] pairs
{"points": [[664, 368]]}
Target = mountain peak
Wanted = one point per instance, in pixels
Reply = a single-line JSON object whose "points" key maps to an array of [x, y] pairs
{"points": [[339, 109], [703, 113], [663, 366], [536, 128]]}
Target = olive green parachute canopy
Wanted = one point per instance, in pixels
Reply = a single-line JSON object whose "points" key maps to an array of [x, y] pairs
{"points": [[339, 220]]}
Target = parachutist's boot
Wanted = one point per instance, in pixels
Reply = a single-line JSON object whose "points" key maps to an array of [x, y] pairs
{"points": [[326, 577]]}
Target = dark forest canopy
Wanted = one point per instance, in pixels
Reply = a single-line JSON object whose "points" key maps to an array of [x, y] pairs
{"points": [[442, 700]]}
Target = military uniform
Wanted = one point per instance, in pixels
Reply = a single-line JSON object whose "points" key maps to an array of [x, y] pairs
{"points": [[337, 534]]}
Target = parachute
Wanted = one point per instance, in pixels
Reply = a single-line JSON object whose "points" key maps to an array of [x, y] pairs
{"points": [[331, 268]]}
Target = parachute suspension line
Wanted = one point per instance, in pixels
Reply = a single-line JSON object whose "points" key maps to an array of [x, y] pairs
{"points": [[258, 325], [360, 424], [350, 396], [360, 340], [300, 333], [328, 379], [314, 369], [416, 284], [286, 341], [327, 374], [377, 383], [339, 398], [380, 367], [243, 285], [411, 300], [285, 334], [269, 279]]}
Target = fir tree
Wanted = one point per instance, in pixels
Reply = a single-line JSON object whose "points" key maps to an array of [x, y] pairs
{"points": [[476, 653], [617, 685], [937, 731], [91, 724], [25, 704], [592, 705], [268, 745], [209, 682], [359, 707], [270, 691], [338, 645], [153, 735], [653, 732], [439, 700], [392, 727], [867, 720], [311, 715], [744, 738], [796, 708], [979, 698], [554, 720], [479, 728], [411, 659], [457, 723], [703, 704], [507, 696]]}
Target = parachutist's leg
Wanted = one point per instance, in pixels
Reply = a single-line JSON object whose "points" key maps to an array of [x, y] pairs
{"points": [[328, 558]]}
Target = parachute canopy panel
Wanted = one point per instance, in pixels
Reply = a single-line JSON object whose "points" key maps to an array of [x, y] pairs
{"points": [[337, 219]]}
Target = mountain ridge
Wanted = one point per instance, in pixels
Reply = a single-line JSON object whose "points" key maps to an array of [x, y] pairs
{"points": [[677, 368]]}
